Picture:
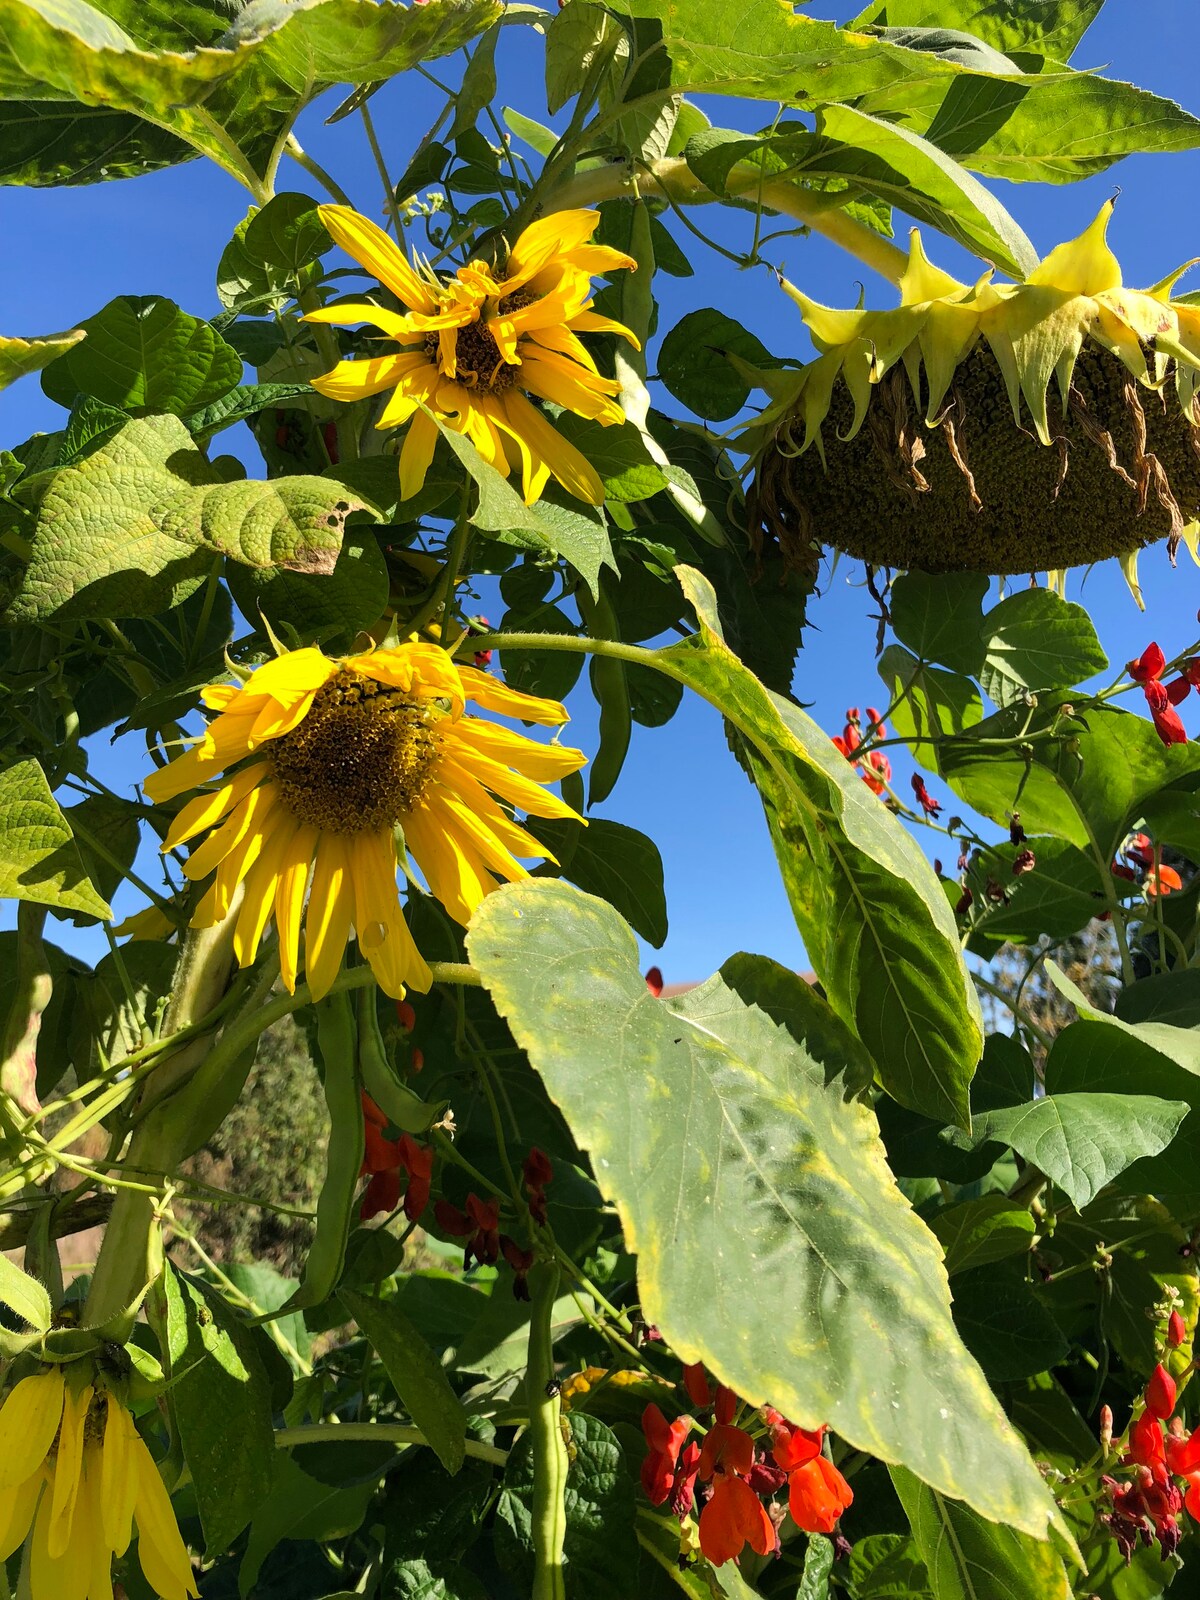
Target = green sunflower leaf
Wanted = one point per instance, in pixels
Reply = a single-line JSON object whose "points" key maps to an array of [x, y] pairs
{"points": [[1047, 29], [39, 859], [135, 527], [968, 1558], [55, 143], [758, 1160], [874, 918], [21, 356], [228, 79], [1051, 126]]}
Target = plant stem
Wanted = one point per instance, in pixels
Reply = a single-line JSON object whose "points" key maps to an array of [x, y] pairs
{"points": [[549, 1452], [673, 180], [131, 1254], [301, 157], [389, 189], [374, 1433]]}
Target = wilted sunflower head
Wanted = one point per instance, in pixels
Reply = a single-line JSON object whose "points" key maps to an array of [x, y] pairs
{"points": [[473, 348], [1000, 428]]}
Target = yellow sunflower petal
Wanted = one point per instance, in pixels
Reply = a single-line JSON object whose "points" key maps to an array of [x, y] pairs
{"points": [[65, 1575], [223, 744], [356, 380], [535, 434], [522, 457], [383, 934], [563, 342], [162, 1552], [517, 841], [373, 249], [469, 825], [207, 809], [330, 913], [258, 900], [216, 902], [546, 378], [549, 239], [17, 1507], [417, 453], [592, 322], [419, 385], [545, 763], [1082, 266], [527, 796], [68, 1470], [117, 1479], [29, 1424], [921, 280], [392, 323], [454, 874], [246, 815], [597, 260], [494, 695], [220, 696], [289, 901]]}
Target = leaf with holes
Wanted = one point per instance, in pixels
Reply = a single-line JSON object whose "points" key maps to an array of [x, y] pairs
{"points": [[135, 527]]}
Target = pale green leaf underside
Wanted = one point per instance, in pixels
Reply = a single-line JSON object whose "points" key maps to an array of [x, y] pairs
{"points": [[772, 1241]]}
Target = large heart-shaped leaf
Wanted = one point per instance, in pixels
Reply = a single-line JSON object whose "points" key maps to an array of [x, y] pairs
{"points": [[227, 79], [135, 527], [772, 1241]]}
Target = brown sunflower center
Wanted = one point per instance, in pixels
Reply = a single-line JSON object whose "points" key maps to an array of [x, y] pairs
{"points": [[97, 1416], [360, 759], [479, 362]]}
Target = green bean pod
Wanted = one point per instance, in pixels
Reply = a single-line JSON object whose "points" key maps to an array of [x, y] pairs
{"points": [[404, 1109], [547, 1446], [337, 1046]]}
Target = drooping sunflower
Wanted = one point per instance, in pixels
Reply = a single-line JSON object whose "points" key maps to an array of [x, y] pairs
{"points": [[323, 761], [1001, 428], [473, 348], [74, 1469]]}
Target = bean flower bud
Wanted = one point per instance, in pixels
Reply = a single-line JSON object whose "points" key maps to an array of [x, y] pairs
{"points": [[1160, 1393], [1176, 1330]]}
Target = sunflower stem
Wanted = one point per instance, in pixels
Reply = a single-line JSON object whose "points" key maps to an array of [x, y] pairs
{"points": [[131, 1254], [455, 553], [673, 180]]}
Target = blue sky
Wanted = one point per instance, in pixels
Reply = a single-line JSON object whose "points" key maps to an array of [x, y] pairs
{"points": [[71, 251]]}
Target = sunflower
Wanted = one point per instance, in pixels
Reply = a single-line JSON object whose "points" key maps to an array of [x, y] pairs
{"points": [[928, 436], [474, 347], [74, 1469], [324, 761]]}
